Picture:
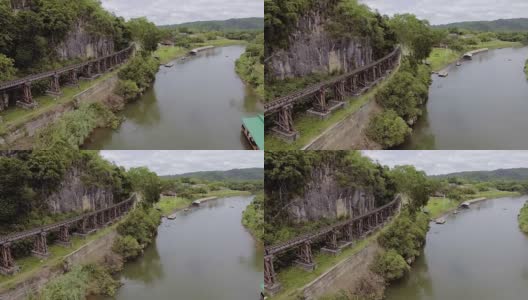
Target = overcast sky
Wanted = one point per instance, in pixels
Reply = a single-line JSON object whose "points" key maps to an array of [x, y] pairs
{"points": [[449, 11], [449, 161], [165, 162], [165, 12]]}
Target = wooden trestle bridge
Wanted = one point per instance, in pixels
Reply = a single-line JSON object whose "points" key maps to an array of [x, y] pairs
{"points": [[353, 83], [69, 74], [335, 238], [83, 225]]}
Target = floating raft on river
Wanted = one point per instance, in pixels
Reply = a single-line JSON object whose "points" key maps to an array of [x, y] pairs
{"points": [[253, 130], [469, 55], [196, 50], [203, 200]]}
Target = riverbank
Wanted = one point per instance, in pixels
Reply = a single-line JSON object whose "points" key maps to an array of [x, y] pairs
{"points": [[169, 205], [440, 58], [523, 218], [438, 207], [35, 273], [166, 54]]}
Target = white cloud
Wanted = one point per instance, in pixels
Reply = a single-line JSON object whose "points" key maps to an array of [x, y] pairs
{"points": [[166, 162], [165, 12], [449, 161], [448, 11]]}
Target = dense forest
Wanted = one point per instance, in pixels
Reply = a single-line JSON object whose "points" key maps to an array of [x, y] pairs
{"points": [[504, 25], [27, 178], [28, 38], [500, 174], [241, 24], [231, 175]]}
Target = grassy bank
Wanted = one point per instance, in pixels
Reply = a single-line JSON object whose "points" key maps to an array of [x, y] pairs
{"points": [[16, 116], [170, 53], [311, 127], [441, 57], [294, 278], [169, 205], [30, 266], [526, 69], [523, 218], [253, 217], [439, 206]]}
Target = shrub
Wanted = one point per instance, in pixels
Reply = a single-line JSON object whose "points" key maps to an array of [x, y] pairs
{"points": [[523, 218], [253, 217], [406, 235], [390, 265], [388, 129], [141, 224], [128, 89], [127, 246]]}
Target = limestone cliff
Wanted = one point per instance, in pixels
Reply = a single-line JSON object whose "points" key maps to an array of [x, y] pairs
{"points": [[325, 197], [74, 195], [312, 49], [80, 43]]}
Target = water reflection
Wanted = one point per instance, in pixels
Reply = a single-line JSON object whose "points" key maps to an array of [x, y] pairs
{"points": [[196, 104], [480, 105]]}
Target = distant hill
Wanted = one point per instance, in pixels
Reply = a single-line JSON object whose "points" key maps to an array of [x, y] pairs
{"points": [[501, 174], [231, 175], [225, 25], [520, 24]]}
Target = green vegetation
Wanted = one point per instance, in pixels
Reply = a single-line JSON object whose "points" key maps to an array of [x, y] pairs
{"points": [[526, 68], [75, 126], [441, 57], [515, 174], [388, 129], [250, 65], [137, 75], [230, 175], [390, 264], [523, 218], [146, 182], [30, 37], [239, 24], [287, 173], [407, 91], [80, 282], [346, 18], [502, 25], [136, 232], [310, 127], [167, 205], [145, 32], [415, 35], [292, 278], [253, 217], [168, 53], [27, 178]]}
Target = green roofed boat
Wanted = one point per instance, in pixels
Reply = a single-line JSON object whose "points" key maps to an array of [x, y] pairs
{"points": [[253, 130]]}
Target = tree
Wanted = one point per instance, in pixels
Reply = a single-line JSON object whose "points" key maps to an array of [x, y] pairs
{"points": [[390, 265], [15, 195], [127, 246], [7, 71], [415, 34], [147, 182], [145, 32], [388, 129], [414, 183]]}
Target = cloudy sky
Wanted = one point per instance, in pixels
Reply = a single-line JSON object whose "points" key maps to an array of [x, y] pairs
{"points": [[165, 162], [443, 162], [165, 12], [448, 11]]}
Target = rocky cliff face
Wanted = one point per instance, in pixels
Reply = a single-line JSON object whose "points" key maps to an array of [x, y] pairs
{"points": [[74, 195], [324, 197], [79, 43], [312, 49]]}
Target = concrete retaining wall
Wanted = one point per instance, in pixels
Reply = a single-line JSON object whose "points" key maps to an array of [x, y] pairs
{"points": [[97, 92], [344, 276], [95, 251]]}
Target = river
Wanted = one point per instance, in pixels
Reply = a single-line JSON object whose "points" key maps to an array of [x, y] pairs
{"points": [[482, 104], [203, 254], [479, 254], [196, 104]]}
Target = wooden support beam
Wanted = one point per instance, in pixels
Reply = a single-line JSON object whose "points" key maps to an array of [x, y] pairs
{"points": [[7, 262], [40, 245], [271, 285]]}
